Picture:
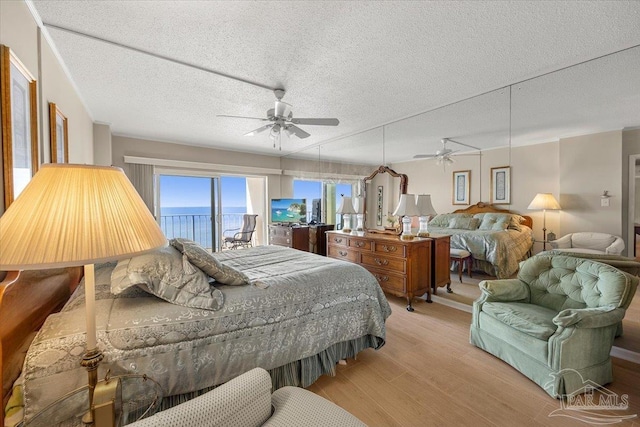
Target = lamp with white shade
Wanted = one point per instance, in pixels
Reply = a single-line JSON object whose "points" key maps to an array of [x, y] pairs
{"points": [[346, 209], [544, 201], [77, 215], [425, 210], [406, 209]]}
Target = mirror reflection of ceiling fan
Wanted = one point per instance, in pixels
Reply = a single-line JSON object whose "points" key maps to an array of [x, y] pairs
{"points": [[444, 156], [282, 120]]}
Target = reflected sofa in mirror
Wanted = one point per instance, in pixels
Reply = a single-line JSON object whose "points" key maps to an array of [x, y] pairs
{"points": [[382, 190]]}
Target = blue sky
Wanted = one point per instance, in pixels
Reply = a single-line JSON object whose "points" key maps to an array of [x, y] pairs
{"points": [[183, 191]]}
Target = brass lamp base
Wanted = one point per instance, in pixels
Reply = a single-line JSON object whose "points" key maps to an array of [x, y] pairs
{"points": [[423, 234], [407, 237], [91, 360]]}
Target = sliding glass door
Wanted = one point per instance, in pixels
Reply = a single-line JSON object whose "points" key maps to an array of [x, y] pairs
{"points": [[188, 206], [205, 209]]}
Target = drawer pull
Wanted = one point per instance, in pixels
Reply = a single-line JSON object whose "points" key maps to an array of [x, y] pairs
{"points": [[287, 233], [288, 240], [389, 248], [382, 278], [359, 244], [337, 240], [381, 261], [343, 253]]}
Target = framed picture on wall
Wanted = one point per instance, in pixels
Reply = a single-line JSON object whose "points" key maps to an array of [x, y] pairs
{"points": [[501, 185], [461, 184], [58, 135], [379, 205], [18, 94]]}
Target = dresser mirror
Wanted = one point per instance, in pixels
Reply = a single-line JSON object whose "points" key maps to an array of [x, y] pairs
{"points": [[382, 190]]}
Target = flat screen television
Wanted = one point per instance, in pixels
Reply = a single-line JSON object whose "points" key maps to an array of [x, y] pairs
{"points": [[289, 210]]}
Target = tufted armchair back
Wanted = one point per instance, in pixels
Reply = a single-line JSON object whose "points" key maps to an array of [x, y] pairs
{"points": [[561, 282]]}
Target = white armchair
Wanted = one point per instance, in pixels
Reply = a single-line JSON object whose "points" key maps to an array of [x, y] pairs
{"points": [[591, 243], [247, 401]]}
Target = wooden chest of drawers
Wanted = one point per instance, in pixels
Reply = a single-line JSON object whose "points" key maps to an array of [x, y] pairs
{"points": [[291, 237], [402, 268]]}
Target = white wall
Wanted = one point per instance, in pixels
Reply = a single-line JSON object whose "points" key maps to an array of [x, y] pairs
{"points": [[19, 31], [589, 165]]}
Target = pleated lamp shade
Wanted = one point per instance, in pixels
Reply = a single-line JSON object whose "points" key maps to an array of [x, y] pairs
{"points": [[406, 206], [73, 215], [346, 206], [424, 205], [544, 201]]}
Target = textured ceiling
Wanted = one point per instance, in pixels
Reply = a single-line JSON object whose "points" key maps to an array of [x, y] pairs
{"points": [[366, 63]]}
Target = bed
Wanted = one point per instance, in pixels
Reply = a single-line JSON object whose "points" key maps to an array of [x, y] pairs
{"points": [[498, 239], [300, 315]]}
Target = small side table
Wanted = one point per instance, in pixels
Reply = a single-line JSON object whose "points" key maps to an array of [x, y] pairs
{"points": [[141, 397]]}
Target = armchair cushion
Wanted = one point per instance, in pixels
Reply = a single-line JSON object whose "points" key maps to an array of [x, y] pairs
{"points": [[530, 319]]}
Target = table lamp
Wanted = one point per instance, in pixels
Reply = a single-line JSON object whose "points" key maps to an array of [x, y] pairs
{"points": [[358, 205], [544, 201], [77, 215], [406, 209], [425, 210], [346, 209]]}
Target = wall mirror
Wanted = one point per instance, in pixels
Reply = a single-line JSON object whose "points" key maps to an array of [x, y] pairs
{"points": [[382, 190]]}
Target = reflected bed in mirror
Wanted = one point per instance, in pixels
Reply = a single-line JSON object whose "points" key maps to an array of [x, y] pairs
{"points": [[382, 190]]}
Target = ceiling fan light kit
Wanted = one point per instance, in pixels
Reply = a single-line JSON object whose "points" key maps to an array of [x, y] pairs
{"points": [[282, 118]]}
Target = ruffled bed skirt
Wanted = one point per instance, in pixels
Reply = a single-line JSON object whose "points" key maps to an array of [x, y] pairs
{"points": [[300, 373]]}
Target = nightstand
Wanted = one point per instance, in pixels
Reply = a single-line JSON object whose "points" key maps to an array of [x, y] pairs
{"points": [[141, 397]]}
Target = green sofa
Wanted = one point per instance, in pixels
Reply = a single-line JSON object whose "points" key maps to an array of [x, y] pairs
{"points": [[556, 322]]}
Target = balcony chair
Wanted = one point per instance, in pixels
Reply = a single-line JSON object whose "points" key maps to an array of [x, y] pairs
{"points": [[556, 322], [247, 401], [240, 237], [591, 243]]}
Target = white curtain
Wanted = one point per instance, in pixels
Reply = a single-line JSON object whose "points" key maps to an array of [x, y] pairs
{"points": [[142, 179]]}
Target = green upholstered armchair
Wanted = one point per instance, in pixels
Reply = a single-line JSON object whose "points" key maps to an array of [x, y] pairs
{"points": [[556, 322]]}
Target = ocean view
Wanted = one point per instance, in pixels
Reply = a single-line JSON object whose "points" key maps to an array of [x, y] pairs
{"points": [[194, 222]]}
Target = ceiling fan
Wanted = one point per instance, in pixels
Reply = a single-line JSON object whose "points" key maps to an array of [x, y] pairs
{"points": [[443, 157], [282, 120]]}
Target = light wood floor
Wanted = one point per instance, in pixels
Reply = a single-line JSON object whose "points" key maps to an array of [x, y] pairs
{"points": [[427, 374]]}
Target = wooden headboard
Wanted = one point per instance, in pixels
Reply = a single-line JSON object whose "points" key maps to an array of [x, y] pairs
{"points": [[26, 299], [482, 207]]}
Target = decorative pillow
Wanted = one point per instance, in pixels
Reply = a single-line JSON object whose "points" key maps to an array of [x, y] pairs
{"points": [[464, 223], [208, 263], [513, 220], [494, 222], [442, 220], [167, 275]]}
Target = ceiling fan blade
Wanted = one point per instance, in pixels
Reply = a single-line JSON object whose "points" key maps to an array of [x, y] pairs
{"points": [[257, 131], [242, 117], [316, 122], [425, 156], [298, 132]]}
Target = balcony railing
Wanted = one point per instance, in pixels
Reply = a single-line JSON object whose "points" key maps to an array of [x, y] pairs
{"points": [[197, 227]]}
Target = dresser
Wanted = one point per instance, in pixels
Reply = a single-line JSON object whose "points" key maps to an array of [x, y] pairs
{"points": [[440, 262], [402, 268], [304, 238], [291, 237]]}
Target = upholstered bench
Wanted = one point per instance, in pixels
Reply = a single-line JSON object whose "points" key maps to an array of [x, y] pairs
{"points": [[461, 256]]}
